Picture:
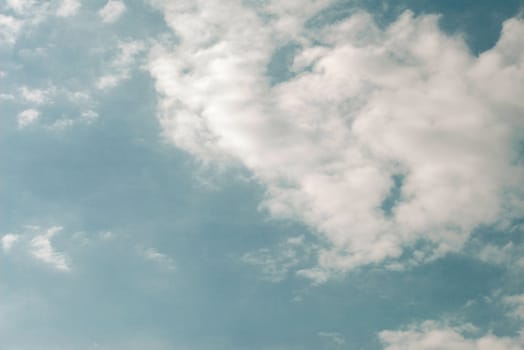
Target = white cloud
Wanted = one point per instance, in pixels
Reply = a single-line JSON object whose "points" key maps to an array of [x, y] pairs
{"points": [[290, 16], [276, 263], [89, 116], [80, 97], [38, 96], [366, 104], [8, 240], [516, 302], [20, 6], [274, 266], [122, 64], [86, 118], [334, 337], [112, 11], [164, 260], [510, 255], [81, 100], [9, 29], [108, 81], [507, 253], [106, 235], [128, 50], [31, 12], [27, 117], [6, 97], [432, 336], [62, 124], [68, 8], [42, 249]]}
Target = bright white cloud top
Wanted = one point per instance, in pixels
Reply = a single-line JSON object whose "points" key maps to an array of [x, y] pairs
{"points": [[365, 105]]}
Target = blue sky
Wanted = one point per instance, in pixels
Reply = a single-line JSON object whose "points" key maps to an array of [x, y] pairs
{"points": [[315, 174]]}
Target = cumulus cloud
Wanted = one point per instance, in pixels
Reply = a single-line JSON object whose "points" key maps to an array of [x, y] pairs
{"points": [[430, 335], [108, 81], [27, 117], [80, 100], [37, 96], [9, 29], [68, 8], [43, 250], [366, 106], [112, 11], [8, 240]]}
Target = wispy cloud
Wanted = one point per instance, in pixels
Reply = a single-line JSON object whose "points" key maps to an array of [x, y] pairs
{"points": [[43, 250], [122, 64], [112, 11], [275, 263], [6, 97], [335, 337], [161, 259], [516, 303]]}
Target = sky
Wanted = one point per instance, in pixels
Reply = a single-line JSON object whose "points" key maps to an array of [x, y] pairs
{"points": [[261, 174]]}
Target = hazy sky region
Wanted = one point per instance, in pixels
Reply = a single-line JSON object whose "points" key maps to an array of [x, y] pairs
{"points": [[261, 175]]}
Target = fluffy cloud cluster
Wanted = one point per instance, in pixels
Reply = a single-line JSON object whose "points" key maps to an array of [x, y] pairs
{"points": [[430, 336], [365, 106]]}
